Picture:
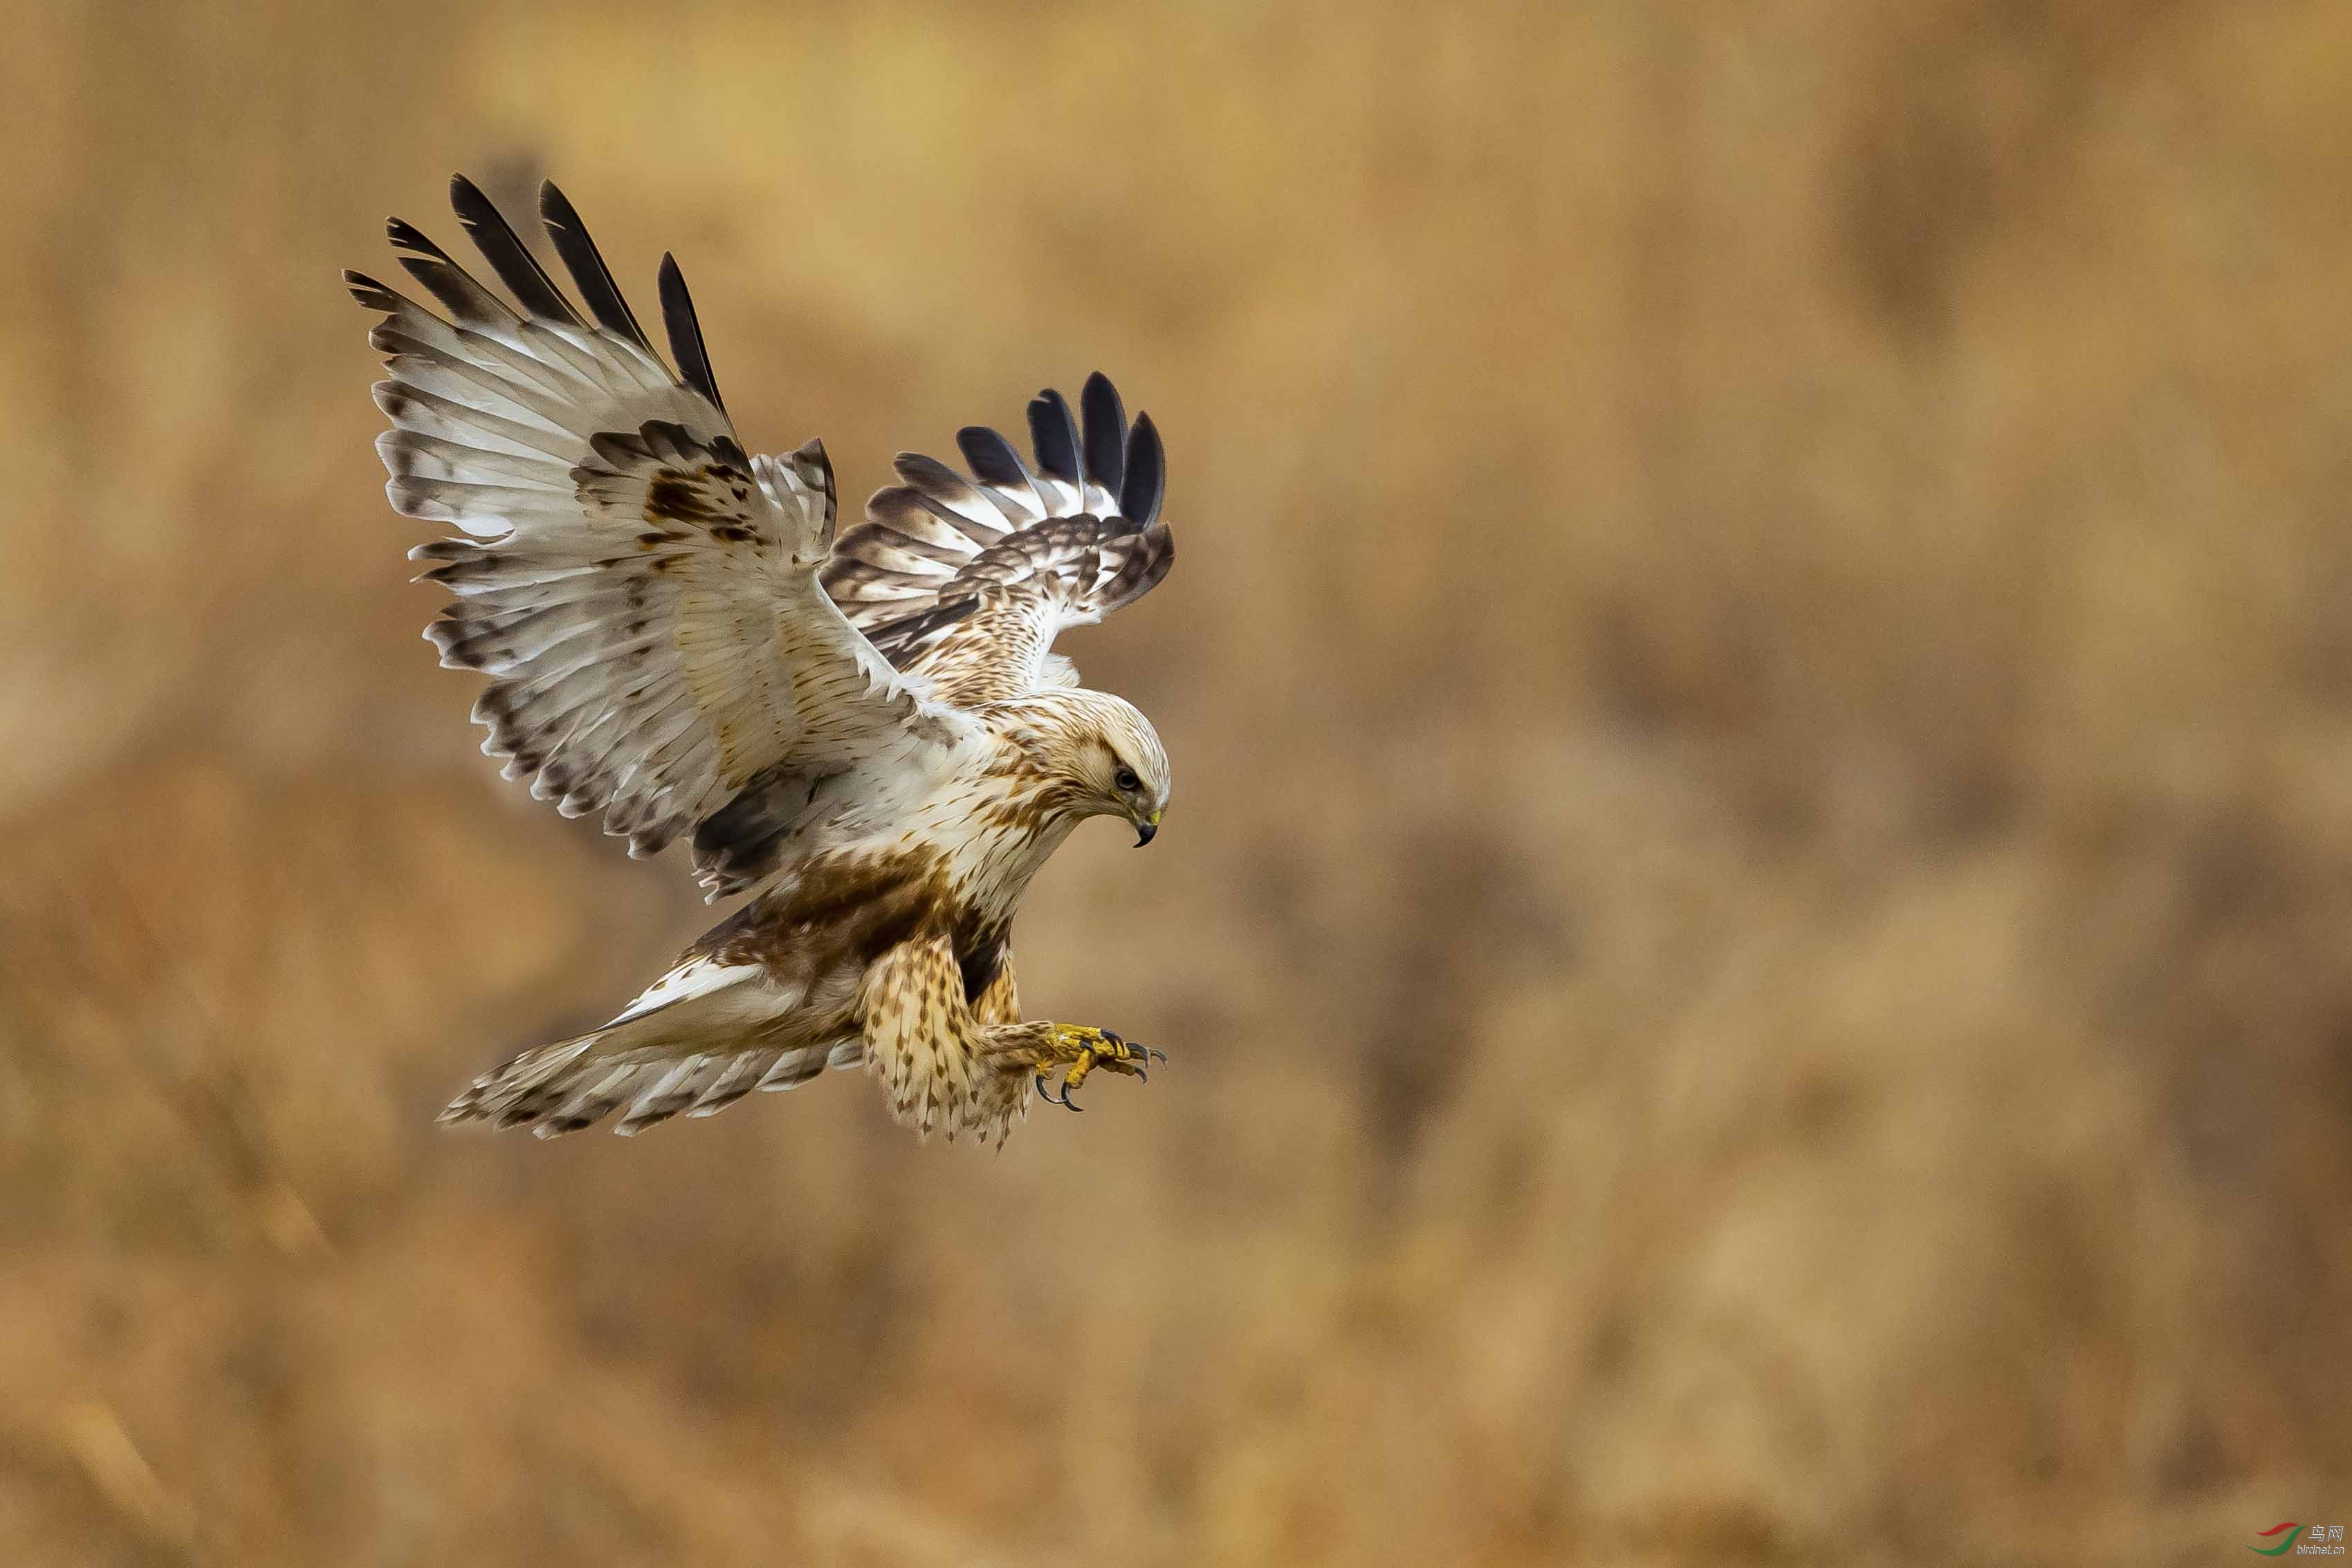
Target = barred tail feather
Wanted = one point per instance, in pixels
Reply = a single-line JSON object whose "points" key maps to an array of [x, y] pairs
{"points": [[692, 1045], [571, 1084]]}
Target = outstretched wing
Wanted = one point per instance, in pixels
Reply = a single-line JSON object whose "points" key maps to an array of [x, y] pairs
{"points": [[967, 582], [641, 593]]}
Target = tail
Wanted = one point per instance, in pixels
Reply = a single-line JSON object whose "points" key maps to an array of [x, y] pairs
{"points": [[690, 1046], [576, 1084]]}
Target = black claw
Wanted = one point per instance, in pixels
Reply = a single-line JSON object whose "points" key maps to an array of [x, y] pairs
{"points": [[1152, 1053]]}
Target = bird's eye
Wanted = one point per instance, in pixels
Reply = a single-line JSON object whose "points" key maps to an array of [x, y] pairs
{"points": [[1126, 780]]}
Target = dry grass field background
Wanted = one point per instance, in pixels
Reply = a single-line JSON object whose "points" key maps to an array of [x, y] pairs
{"points": [[1757, 929]]}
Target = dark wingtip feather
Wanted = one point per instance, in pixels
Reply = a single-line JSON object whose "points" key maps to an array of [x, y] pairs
{"points": [[991, 458], [1053, 432], [1106, 437], [371, 293], [590, 275], [1147, 472], [685, 332], [508, 255], [408, 236], [451, 284]]}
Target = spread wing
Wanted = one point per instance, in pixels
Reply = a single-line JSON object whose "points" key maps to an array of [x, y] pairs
{"points": [[967, 582], [641, 593]]}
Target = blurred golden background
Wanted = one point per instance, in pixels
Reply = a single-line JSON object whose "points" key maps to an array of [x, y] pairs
{"points": [[1757, 930]]}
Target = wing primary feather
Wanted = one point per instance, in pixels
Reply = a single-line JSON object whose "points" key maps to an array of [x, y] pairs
{"points": [[685, 332], [1106, 437], [1147, 473], [639, 669], [466, 300], [1053, 430], [993, 458], [586, 264], [508, 255], [375, 295]]}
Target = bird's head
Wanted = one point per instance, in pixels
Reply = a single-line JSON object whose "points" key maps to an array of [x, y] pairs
{"points": [[1106, 758]]}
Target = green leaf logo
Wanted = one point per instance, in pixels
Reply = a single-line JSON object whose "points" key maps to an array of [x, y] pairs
{"points": [[2285, 1532]]}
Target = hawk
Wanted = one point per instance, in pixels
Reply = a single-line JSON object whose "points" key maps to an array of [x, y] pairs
{"points": [[870, 734]]}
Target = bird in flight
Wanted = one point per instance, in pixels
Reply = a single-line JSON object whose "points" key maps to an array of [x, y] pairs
{"points": [[869, 734]]}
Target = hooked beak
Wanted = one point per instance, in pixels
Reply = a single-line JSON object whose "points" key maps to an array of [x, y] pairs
{"points": [[1146, 830]]}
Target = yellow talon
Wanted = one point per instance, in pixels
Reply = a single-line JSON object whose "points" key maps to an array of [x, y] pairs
{"points": [[1088, 1048]]}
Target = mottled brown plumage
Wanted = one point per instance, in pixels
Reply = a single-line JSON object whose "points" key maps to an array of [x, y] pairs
{"points": [[872, 736]]}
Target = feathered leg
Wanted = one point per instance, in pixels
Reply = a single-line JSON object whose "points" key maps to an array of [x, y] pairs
{"points": [[941, 1063]]}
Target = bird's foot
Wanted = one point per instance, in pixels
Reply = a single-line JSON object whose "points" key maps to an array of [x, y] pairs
{"points": [[1086, 1048]]}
